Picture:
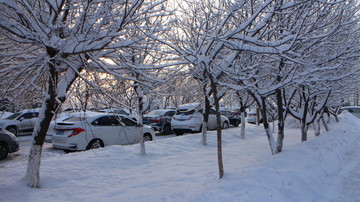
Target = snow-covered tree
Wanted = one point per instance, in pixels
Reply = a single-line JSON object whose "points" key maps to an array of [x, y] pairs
{"points": [[64, 37]]}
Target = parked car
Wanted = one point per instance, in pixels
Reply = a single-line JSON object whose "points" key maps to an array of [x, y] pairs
{"points": [[189, 118], [160, 120], [95, 130], [355, 110], [20, 122], [8, 144], [251, 117], [234, 119]]}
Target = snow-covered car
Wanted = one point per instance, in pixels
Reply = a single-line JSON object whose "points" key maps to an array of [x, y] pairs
{"points": [[8, 144], [20, 122], [160, 120], [355, 110], [95, 130], [189, 118]]}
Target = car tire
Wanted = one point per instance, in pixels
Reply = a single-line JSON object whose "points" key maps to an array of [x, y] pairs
{"points": [[237, 123], [147, 137], [179, 133], [166, 130], [13, 130], [3, 151], [95, 144], [225, 125]]}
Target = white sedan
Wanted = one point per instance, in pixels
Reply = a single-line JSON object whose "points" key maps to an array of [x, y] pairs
{"points": [[95, 130]]}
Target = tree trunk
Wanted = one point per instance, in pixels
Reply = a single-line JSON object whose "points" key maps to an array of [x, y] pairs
{"points": [[42, 125], [218, 129], [325, 124], [242, 111], [140, 98], [206, 118], [304, 129], [317, 126], [269, 135], [281, 121]]}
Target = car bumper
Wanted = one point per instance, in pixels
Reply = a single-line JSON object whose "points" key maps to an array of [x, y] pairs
{"points": [[63, 143], [14, 147], [71, 147]]}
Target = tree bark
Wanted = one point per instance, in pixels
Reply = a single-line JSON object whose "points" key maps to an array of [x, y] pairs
{"points": [[281, 121], [45, 116], [218, 129], [267, 128], [242, 111], [206, 117]]}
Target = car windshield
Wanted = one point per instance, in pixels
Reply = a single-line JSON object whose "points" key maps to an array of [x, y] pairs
{"points": [[155, 112], [185, 112], [13, 116]]}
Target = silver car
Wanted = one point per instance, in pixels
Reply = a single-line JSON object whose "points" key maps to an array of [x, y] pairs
{"points": [[20, 122], [94, 130]]}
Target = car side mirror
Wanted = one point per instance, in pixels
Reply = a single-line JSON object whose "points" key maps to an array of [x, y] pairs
{"points": [[21, 118]]}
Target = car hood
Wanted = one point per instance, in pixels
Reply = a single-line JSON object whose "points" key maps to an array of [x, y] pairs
{"points": [[6, 122]]}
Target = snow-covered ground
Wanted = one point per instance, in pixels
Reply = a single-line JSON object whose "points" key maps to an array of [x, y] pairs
{"points": [[325, 168]]}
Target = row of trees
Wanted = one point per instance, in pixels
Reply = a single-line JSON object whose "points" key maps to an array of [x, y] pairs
{"points": [[299, 56]]}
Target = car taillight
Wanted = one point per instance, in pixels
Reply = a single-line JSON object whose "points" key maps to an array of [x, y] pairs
{"points": [[156, 119], [76, 131]]}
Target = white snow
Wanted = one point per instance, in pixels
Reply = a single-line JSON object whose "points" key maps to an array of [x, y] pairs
{"points": [[325, 168]]}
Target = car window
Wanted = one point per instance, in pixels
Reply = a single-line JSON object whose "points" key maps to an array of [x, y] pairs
{"points": [[13, 116], [185, 112], [212, 111], [170, 113], [29, 115], [128, 122], [107, 121]]}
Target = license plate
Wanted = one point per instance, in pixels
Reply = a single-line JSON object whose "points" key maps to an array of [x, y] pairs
{"points": [[60, 132]]}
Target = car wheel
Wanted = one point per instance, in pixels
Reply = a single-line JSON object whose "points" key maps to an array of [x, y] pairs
{"points": [[225, 125], [147, 137], [166, 130], [95, 144], [179, 133], [237, 123], [13, 130], [3, 151]]}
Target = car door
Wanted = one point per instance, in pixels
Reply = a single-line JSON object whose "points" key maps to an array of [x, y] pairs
{"points": [[131, 131], [110, 130], [27, 121]]}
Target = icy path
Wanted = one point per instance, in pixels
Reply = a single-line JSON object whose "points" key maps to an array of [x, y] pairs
{"points": [[349, 185]]}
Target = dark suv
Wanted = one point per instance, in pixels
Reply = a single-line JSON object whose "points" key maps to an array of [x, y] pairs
{"points": [[8, 144], [160, 120]]}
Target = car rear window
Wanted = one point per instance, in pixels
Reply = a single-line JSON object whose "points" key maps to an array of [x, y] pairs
{"points": [[75, 119], [185, 112]]}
